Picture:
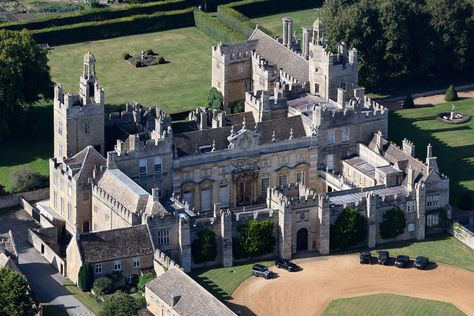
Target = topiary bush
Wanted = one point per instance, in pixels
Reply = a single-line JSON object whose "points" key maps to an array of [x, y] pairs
{"points": [[349, 229], [126, 56], [26, 179], [86, 277], [204, 247], [451, 94], [408, 103], [393, 223], [102, 286], [256, 238]]}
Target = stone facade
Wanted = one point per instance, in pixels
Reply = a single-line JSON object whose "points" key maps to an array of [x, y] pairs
{"points": [[296, 156]]}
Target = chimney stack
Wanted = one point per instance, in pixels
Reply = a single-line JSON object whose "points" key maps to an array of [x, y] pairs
{"points": [[155, 194], [287, 28], [408, 147], [290, 32], [305, 43]]}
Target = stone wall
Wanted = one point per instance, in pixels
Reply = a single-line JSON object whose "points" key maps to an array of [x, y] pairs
{"points": [[462, 234], [162, 263], [47, 252], [11, 200]]}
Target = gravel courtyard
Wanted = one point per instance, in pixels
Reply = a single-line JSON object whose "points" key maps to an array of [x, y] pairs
{"points": [[323, 279]]}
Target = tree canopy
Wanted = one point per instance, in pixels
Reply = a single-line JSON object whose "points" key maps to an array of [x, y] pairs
{"points": [[15, 298], [204, 247], [349, 229], [24, 75], [256, 238], [119, 304], [393, 223], [401, 37], [215, 99], [85, 277]]}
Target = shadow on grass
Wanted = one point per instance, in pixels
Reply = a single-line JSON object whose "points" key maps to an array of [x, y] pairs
{"points": [[213, 288]]}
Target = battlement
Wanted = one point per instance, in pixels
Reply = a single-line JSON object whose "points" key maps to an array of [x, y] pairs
{"points": [[116, 206], [162, 259], [249, 213]]}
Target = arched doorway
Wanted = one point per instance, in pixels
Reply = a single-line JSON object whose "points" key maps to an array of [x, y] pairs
{"points": [[302, 240]]}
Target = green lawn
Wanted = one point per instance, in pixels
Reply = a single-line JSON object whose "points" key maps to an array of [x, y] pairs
{"points": [[87, 299], [300, 18], [440, 249], [180, 85], [223, 281], [452, 144], [390, 305], [28, 151]]}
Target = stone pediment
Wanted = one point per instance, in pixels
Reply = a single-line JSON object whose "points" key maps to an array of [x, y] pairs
{"points": [[244, 139]]}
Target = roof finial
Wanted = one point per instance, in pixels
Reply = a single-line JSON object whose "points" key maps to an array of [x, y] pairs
{"points": [[273, 136], [232, 130], [244, 123], [213, 145], [291, 133]]}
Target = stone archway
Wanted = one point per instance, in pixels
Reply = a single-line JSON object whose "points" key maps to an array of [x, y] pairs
{"points": [[302, 240]]}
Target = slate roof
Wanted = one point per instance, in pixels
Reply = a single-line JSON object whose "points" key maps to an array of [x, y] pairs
{"points": [[184, 127], [237, 119], [82, 164], [115, 244], [355, 196], [123, 189], [189, 143], [238, 47], [194, 300], [279, 55]]}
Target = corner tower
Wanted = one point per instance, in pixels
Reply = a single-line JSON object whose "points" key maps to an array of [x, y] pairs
{"points": [[79, 119], [328, 71]]}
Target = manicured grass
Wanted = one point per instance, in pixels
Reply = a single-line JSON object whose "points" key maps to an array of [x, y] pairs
{"points": [[180, 85], [452, 144], [439, 249], [390, 305], [28, 151], [300, 18], [87, 299], [221, 282]]}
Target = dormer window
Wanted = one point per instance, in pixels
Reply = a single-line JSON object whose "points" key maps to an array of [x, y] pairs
{"points": [[205, 149]]}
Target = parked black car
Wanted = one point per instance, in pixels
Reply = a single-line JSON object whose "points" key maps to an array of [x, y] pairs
{"points": [[383, 257], [365, 257], [402, 261], [421, 262], [286, 264], [259, 270]]}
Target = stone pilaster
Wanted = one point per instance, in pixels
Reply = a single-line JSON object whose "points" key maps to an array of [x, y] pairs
{"points": [[226, 235], [185, 243], [371, 220], [324, 216], [420, 194]]}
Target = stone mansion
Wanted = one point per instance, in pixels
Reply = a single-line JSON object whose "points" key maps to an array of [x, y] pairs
{"points": [[309, 144]]}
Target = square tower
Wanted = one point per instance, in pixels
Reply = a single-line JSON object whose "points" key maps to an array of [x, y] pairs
{"points": [[79, 119]]}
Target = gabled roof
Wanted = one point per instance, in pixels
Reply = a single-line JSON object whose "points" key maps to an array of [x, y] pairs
{"points": [[115, 244], [192, 299], [237, 47], [83, 163], [277, 54], [123, 189]]}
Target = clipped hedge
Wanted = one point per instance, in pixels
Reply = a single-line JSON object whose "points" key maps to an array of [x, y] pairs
{"points": [[137, 24], [99, 15], [235, 21], [254, 8], [215, 29]]}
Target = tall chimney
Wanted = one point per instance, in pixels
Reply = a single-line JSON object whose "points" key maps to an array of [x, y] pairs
{"points": [[285, 30], [305, 42], [290, 32], [341, 94]]}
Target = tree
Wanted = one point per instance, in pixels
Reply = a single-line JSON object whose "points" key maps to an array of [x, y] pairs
{"points": [[15, 298], [393, 223], [349, 229], [256, 238], [204, 247], [144, 279], [24, 75], [408, 102], [466, 201], [119, 304], [26, 179], [102, 286], [451, 94], [2, 190], [215, 99], [237, 106], [86, 277]]}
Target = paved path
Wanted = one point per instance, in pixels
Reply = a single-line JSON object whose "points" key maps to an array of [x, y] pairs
{"points": [[44, 280], [323, 279]]}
